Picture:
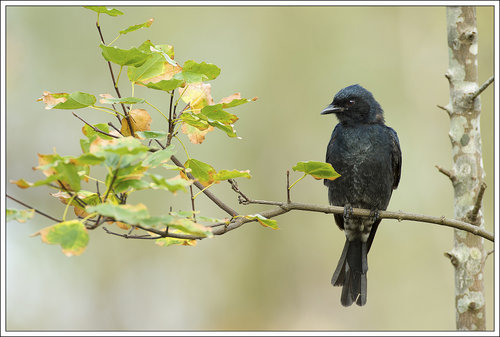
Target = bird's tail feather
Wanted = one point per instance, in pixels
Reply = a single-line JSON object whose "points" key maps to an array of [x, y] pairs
{"points": [[351, 273]]}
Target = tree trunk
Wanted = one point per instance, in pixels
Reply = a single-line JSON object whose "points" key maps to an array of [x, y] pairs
{"points": [[468, 254]]}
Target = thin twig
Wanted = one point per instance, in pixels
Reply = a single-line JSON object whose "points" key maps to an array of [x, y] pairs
{"points": [[482, 88], [284, 207], [94, 128], [79, 201], [288, 200], [128, 236], [477, 205], [447, 173], [445, 109], [115, 85], [36, 211], [115, 128], [242, 198], [115, 174], [209, 194], [192, 202]]}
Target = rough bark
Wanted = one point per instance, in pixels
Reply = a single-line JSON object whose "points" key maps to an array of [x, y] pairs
{"points": [[467, 175]]}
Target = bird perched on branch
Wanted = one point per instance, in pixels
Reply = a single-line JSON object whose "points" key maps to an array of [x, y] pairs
{"points": [[367, 155]]}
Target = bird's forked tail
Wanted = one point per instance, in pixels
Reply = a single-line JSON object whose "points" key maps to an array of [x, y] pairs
{"points": [[351, 273]]}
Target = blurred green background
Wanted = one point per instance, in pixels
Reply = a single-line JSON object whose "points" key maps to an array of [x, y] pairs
{"points": [[294, 59]]}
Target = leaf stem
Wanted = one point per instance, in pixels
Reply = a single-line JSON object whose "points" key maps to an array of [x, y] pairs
{"points": [[201, 191], [118, 77], [151, 105], [107, 110], [184, 147], [305, 174], [67, 207]]}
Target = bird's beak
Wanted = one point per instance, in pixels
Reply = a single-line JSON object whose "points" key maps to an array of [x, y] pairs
{"points": [[331, 109]]}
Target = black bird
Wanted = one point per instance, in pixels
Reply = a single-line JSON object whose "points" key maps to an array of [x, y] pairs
{"points": [[367, 155]]}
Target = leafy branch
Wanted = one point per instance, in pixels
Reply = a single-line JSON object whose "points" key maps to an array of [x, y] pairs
{"points": [[129, 152]]}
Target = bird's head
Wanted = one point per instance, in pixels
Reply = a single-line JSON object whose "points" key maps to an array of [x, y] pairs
{"points": [[355, 105]]}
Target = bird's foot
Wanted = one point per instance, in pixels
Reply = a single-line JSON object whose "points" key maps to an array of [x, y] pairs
{"points": [[347, 212], [374, 215]]}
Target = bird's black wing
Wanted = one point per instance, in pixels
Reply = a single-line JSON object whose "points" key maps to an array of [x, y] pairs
{"points": [[396, 158], [329, 159], [339, 218]]}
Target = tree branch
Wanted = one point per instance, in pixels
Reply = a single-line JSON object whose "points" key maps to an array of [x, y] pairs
{"points": [[482, 88], [283, 207], [94, 128], [447, 173], [472, 217], [37, 211]]}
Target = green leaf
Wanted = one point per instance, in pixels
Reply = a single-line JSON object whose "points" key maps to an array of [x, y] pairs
{"points": [[173, 184], [164, 51], [68, 173], [318, 170], [123, 100], [92, 134], [136, 27], [237, 101], [104, 10], [190, 227], [159, 157], [151, 68], [263, 221], [157, 221], [165, 85], [215, 113], [165, 242], [131, 57], [122, 146], [21, 183], [71, 235], [195, 121], [130, 214], [165, 48], [198, 72], [125, 185], [19, 215], [201, 171], [225, 174], [152, 134], [228, 129], [76, 100], [89, 159]]}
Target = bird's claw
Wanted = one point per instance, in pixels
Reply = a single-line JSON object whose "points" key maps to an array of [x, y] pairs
{"points": [[347, 212], [374, 215]]}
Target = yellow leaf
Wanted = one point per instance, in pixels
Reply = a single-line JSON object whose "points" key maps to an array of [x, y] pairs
{"points": [[168, 72], [96, 145], [196, 136], [44, 159], [21, 183], [140, 120], [197, 95], [104, 98], [230, 98]]}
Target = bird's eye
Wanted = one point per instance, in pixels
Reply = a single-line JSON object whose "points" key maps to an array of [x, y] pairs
{"points": [[350, 103]]}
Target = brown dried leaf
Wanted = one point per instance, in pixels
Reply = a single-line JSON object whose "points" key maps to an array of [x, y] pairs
{"points": [[44, 159], [229, 99], [140, 120], [50, 99]]}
